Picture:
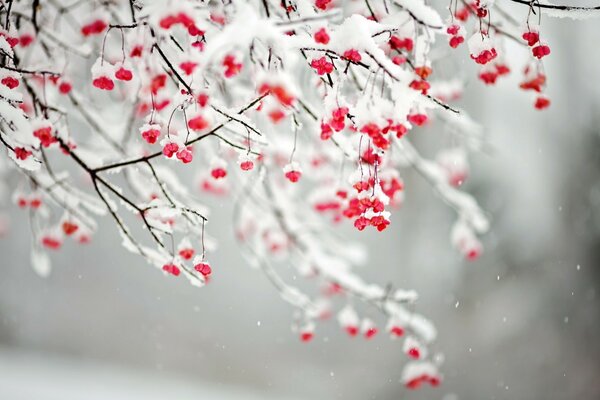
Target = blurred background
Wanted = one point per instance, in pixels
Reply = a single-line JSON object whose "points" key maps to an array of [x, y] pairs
{"points": [[519, 323]]}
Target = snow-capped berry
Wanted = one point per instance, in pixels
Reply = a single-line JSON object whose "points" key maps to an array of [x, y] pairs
{"points": [[542, 103], [491, 72], [414, 353], [482, 48], [338, 118], [188, 67], [398, 60], [22, 153], [94, 28], [179, 18], [282, 92], [322, 66], [69, 227], [540, 51], [321, 36], [245, 162], [185, 155], [136, 51], [322, 4], [420, 85], [488, 77], [246, 165], [123, 74], [186, 253], [307, 332], [352, 55], [51, 241], [218, 168], [10, 82], [292, 172], [368, 328], [170, 148], [484, 56], [413, 348], [417, 119], [21, 201], [43, 131], [65, 87], [534, 83], [473, 250], [326, 131], [171, 269], [198, 123], [454, 163], [417, 373], [104, 83], [397, 43], [204, 268], [26, 39], [276, 115], [455, 41], [423, 71], [348, 320], [464, 239], [293, 176], [531, 38], [306, 336], [232, 67], [150, 132], [453, 29], [218, 173], [35, 202], [202, 99], [395, 327]]}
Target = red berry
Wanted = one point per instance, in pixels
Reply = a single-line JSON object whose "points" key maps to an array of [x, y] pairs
{"points": [[198, 123], [371, 332], [306, 336], [203, 268], [51, 242], [351, 330], [123, 74], [21, 153], [531, 37], [171, 269], [293, 176], [542, 103], [151, 135], [170, 148], [186, 254], [104, 83], [64, 87], [188, 67], [10, 82], [541, 51], [396, 331], [413, 352], [45, 136], [69, 228], [321, 36], [352, 55], [246, 165], [322, 66], [218, 173], [185, 156]]}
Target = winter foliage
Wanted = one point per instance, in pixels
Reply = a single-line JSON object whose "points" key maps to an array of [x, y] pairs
{"points": [[299, 112]]}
